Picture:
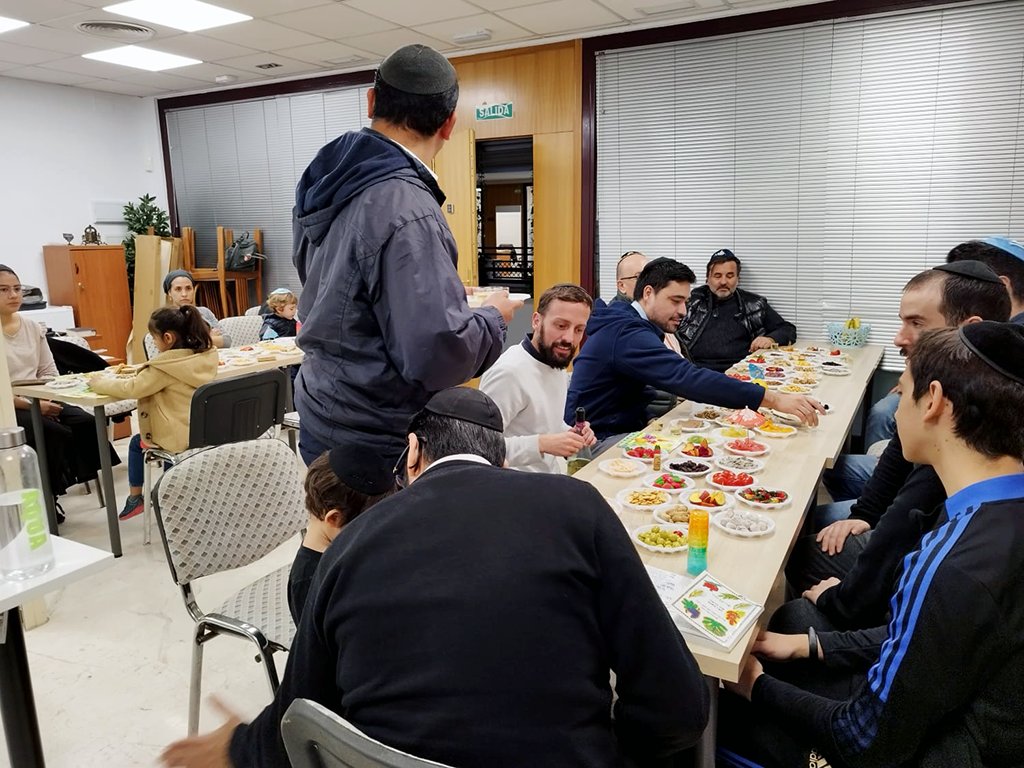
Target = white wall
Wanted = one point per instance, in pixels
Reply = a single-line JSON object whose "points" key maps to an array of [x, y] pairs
{"points": [[60, 149]]}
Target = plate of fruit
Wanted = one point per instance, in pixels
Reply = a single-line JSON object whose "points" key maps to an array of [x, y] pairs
{"points": [[763, 498], [697, 450], [659, 538], [727, 480], [743, 522], [709, 499], [738, 376], [622, 467], [771, 429], [642, 499], [689, 467], [747, 447], [640, 453], [672, 514], [731, 432], [668, 481]]}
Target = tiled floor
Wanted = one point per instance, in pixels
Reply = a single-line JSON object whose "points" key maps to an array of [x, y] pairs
{"points": [[110, 668]]}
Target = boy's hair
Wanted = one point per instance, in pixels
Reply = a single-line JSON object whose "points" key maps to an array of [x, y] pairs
{"points": [[324, 492], [659, 273], [186, 323], [569, 292], [281, 299], [1002, 262], [988, 407], [964, 297]]}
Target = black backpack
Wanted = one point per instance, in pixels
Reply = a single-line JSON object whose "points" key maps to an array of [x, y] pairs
{"points": [[241, 255]]}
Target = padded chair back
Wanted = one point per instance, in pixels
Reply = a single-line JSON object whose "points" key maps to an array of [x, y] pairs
{"points": [[242, 330], [252, 311], [315, 737], [239, 408], [150, 346], [227, 507]]}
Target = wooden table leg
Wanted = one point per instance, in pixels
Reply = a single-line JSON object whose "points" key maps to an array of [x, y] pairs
{"points": [[17, 703], [107, 478], [708, 744], [36, 410]]}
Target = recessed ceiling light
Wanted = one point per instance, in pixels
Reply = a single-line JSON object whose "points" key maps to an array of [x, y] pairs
{"points": [[141, 58], [6, 24], [186, 15]]}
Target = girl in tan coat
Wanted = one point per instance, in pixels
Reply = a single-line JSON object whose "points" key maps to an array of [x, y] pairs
{"points": [[163, 386]]}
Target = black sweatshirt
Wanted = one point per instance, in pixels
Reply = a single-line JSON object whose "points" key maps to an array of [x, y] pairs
{"points": [[473, 618], [948, 686], [888, 477]]}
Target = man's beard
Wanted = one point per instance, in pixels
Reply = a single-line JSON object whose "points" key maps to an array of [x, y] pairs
{"points": [[728, 295], [546, 352]]}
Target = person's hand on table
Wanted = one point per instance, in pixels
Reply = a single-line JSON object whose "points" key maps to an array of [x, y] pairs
{"points": [[761, 342], [833, 537], [751, 671], [803, 407], [814, 592], [50, 409], [207, 751], [562, 444], [501, 302]]}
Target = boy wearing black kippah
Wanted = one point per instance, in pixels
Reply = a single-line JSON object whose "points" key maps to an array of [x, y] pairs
{"points": [[945, 679]]}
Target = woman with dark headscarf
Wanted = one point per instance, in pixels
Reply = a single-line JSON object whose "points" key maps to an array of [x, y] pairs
{"points": [[181, 290]]}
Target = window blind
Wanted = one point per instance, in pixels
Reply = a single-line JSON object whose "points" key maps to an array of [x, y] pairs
{"points": [[836, 159], [236, 165]]}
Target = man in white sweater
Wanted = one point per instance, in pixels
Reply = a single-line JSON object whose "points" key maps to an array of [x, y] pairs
{"points": [[529, 383]]}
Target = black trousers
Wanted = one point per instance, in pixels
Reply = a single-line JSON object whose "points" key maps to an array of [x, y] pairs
{"points": [[72, 453], [808, 565]]}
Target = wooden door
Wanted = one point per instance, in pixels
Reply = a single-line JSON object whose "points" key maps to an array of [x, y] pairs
{"points": [[101, 291], [556, 245], [455, 166]]}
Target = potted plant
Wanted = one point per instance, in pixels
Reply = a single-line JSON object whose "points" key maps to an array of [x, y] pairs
{"points": [[139, 219]]}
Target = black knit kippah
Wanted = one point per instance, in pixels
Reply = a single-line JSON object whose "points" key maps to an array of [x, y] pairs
{"points": [[418, 69], [999, 345], [970, 268], [361, 469]]}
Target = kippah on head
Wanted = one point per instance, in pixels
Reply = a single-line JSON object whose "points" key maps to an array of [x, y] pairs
{"points": [[467, 404], [723, 253], [362, 470], [975, 270], [418, 69], [1012, 247], [999, 345]]}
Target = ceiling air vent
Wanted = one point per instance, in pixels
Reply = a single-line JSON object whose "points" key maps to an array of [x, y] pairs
{"points": [[270, 65], [124, 31]]}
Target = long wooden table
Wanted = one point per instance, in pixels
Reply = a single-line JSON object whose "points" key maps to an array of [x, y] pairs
{"points": [[751, 566], [39, 392]]}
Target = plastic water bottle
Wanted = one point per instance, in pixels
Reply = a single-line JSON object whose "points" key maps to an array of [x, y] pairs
{"points": [[25, 546]]}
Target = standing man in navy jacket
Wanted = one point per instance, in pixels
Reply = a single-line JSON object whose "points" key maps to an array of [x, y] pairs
{"points": [[625, 360], [385, 322]]}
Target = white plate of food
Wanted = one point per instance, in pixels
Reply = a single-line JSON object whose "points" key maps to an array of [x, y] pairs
{"points": [[760, 497], [835, 370], [674, 514], [747, 447], [675, 482], [771, 429], [730, 481], [622, 467], [732, 432], [709, 412], [702, 453], [639, 453], [711, 499], [61, 383], [519, 297], [688, 466], [744, 523], [802, 380], [747, 464], [689, 425], [675, 538], [642, 499], [785, 418]]}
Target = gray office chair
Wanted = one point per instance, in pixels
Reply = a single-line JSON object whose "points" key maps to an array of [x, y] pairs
{"points": [[224, 508], [242, 330], [316, 737]]}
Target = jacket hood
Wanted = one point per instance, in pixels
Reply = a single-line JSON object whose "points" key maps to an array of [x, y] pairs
{"points": [[345, 167], [187, 366]]}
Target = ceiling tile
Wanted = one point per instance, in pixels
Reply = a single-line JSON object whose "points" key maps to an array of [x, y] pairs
{"points": [[561, 16], [501, 30], [288, 66], [208, 73], [628, 9], [38, 10], [165, 81], [260, 8], [68, 43], [500, 5], [333, 21], [24, 55], [384, 43], [325, 53], [68, 23], [409, 14], [261, 35], [48, 75], [202, 48], [78, 65], [5, 65], [125, 89]]}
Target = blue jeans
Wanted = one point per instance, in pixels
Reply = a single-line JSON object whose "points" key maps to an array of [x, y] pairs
{"points": [[881, 423], [826, 514], [847, 478], [136, 466]]}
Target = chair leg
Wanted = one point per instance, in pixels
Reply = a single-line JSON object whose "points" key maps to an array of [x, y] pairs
{"points": [[292, 442], [196, 682], [99, 492], [147, 503], [88, 488]]}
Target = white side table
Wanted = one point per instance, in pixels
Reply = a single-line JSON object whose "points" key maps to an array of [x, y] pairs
{"points": [[17, 704]]}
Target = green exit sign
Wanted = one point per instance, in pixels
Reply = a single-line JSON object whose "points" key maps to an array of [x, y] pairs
{"points": [[494, 111]]}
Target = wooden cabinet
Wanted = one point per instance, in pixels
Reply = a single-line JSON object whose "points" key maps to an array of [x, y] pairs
{"points": [[93, 280]]}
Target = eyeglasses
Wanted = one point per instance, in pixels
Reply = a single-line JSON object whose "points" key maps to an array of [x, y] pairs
{"points": [[633, 277], [10, 290], [399, 470]]}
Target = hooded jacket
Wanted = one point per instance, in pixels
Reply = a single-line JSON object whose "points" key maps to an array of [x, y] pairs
{"points": [[164, 387], [625, 360], [385, 321]]}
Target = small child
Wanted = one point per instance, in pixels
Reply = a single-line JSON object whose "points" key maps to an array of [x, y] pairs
{"points": [[280, 321], [340, 485], [164, 387]]}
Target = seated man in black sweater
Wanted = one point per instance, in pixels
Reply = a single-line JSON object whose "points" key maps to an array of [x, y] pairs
{"points": [[473, 619], [725, 323], [943, 684]]}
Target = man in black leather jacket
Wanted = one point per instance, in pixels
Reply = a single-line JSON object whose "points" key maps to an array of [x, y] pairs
{"points": [[724, 323]]}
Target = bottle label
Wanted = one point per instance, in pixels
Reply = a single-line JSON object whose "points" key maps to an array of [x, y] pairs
{"points": [[33, 519]]}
